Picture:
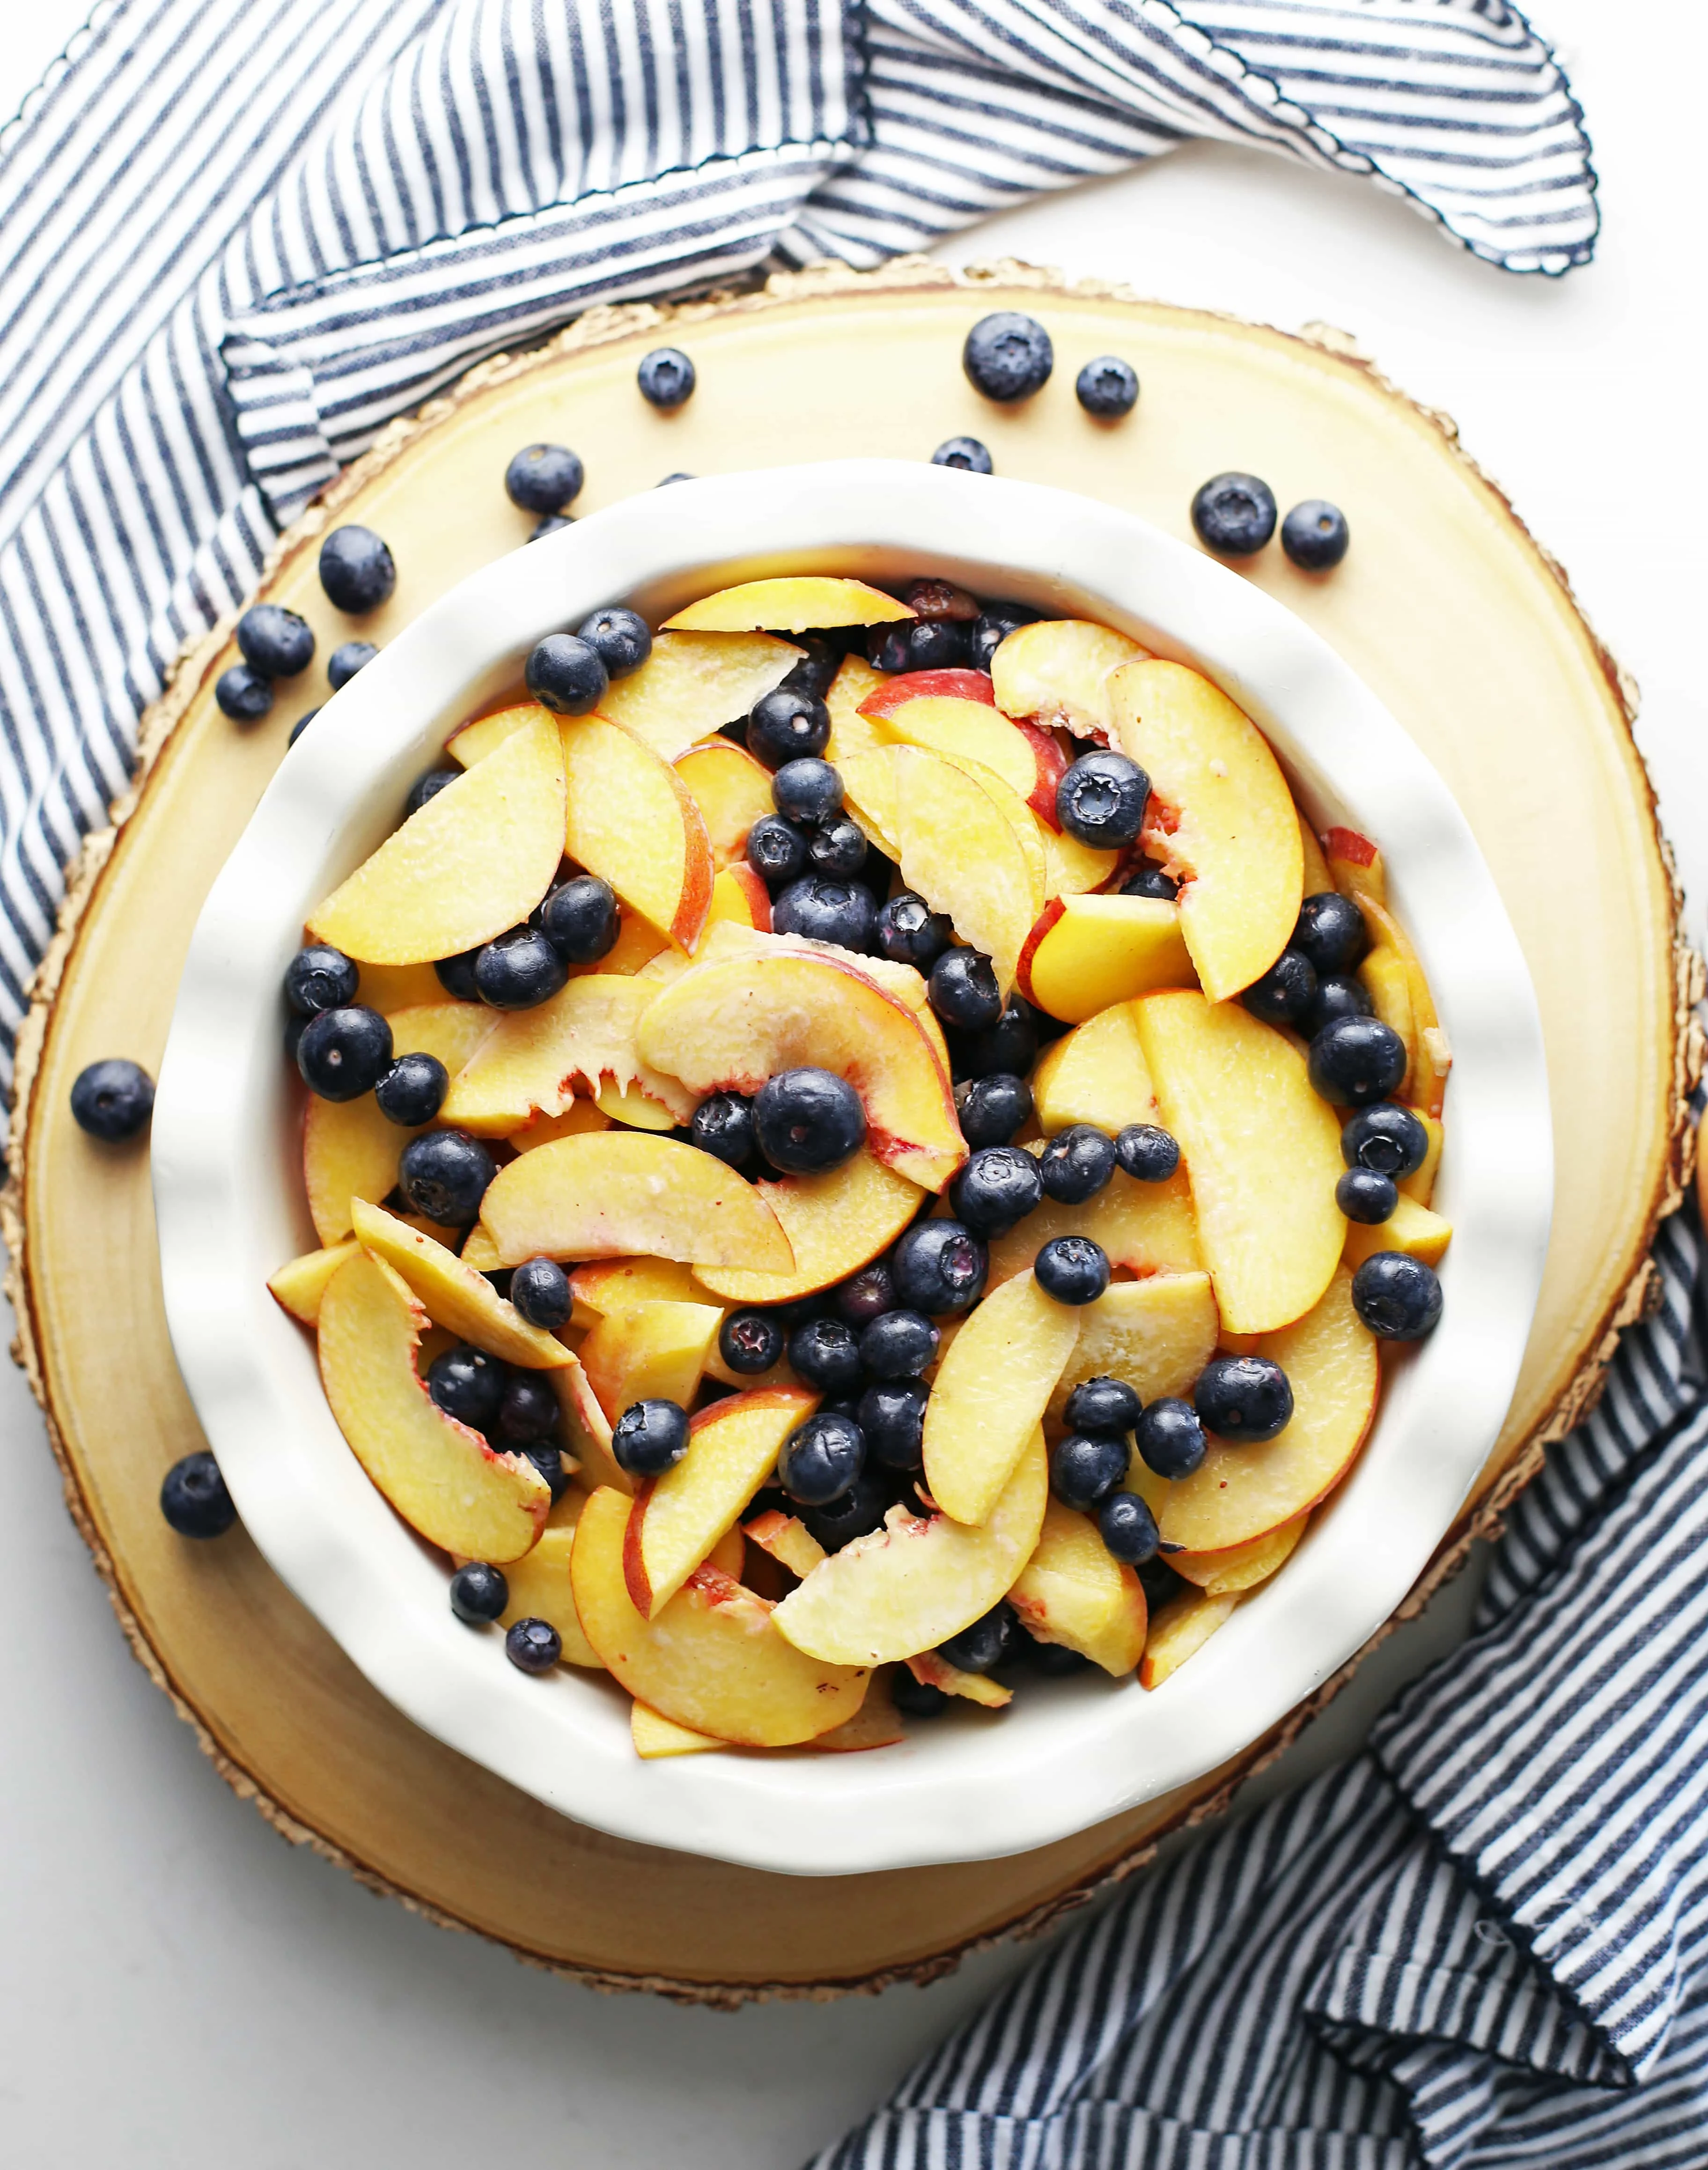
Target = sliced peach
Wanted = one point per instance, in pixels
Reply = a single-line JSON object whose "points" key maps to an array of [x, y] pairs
{"points": [[1158, 1334], [850, 732], [456, 1296], [1221, 810], [474, 861], [1411, 1227], [1096, 1074], [485, 735], [1420, 1183], [632, 821], [731, 791], [787, 1540], [728, 940], [1084, 954], [893, 691], [712, 1660], [991, 1387], [299, 1286], [934, 1671], [587, 1430], [619, 1193], [799, 602], [1239, 1492], [1180, 1631], [635, 1108], [388, 988], [964, 858], [539, 1590], [733, 1449], [912, 1585], [579, 1118], [1240, 1566], [440, 1476], [532, 1060], [1389, 985], [875, 1724], [1316, 877], [656, 1735], [480, 1251], [741, 899], [1072, 868], [834, 1223], [692, 684], [976, 731], [652, 1352], [1147, 1227], [1071, 1591], [727, 1027], [1261, 1151], [637, 946], [608, 1286], [1058, 671]]}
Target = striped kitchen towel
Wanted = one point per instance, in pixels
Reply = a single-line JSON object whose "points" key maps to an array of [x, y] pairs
{"points": [[236, 236], [1483, 1945]]}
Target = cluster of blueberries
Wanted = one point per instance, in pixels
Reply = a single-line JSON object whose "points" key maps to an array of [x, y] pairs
{"points": [[358, 574]]}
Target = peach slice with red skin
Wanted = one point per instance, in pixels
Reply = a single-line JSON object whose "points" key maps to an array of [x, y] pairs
{"points": [[1057, 671], [895, 691], [483, 735], [456, 1296], [692, 684], [835, 1223], [587, 1430], [727, 1027], [539, 1590], [298, 1286], [1071, 1591], [1157, 1335], [1180, 1631], [1145, 1228], [1084, 954], [850, 732], [530, 1061], [650, 1352], [731, 791], [993, 1383], [440, 1476], [786, 1540], [655, 1735], [474, 861], [1029, 763], [1240, 1566], [632, 820], [798, 602], [959, 851], [578, 1118], [740, 899], [729, 940], [712, 1659], [933, 1670]]}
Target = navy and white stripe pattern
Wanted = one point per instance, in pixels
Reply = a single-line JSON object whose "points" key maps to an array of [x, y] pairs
{"points": [[237, 235], [1481, 1945]]}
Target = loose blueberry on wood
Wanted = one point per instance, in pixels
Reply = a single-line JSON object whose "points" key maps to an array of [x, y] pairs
{"points": [[278, 643], [996, 1189], [666, 379], [1076, 1164], [821, 1458], [544, 478], [1285, 993], [892, 1415], [301, 726], [868, 1295], [751, 1341], [1073, 1270], [650, 1437], [621, 640], [966, 453], [1101, 800], [1010, 1047], [776, 849], [785, 725], [413, 1090], [992, 627], [909, 932], [898, 1345], [1086, 1466], [1341, 995], [723, 1125], [1008, 355], [539, 1288], [808, 1120], [1314, 534], [991, 1109], [243, 694], [826, 1353], [1366, 1196], [1233, 515], [1169, 1438], [939, 1266], [580, 919], [445, 1174], [826, 911], [859, 1511], [194, 1499], [533, 1646], [1149, 880], [1356, 1061], [1146, 1153], [456, 975], [519, 970], [979, 1648], [1244, 1399], [1103, 1407], [319, 977], [837, 848], [1127, 1528], [356, 569], [1107, 388], [468, 1384], [479, 1593], [428, 785], [1386, 1137], [549, 523], [917, 1698], [808, 790], [1330, 932], [346, 659], [963, 990], [344, 1053], [565, 675], [680, 475], [1397, 1296]]}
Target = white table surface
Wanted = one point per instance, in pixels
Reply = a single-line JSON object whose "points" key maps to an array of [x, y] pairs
{"points": [[182, 1990]]}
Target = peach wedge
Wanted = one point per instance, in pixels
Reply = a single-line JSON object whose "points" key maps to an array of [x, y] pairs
{"points": [[532, 1060], [991, 1385], [619, 1193], [801, 602], [473, 861], [539, 1590], [731, 791], [692, 684], [1085, 953], [1072, 1592], [961, 853], [632, 820], [298, 1286], [455, 1296], [1058, 671], [712, 1660], [727, 1027], [1157, 1334], [835, 1224], [440, 1476], [975, 731], [1147, 1227], [1180, 1631], [1095, 1074], [650, 1352]]}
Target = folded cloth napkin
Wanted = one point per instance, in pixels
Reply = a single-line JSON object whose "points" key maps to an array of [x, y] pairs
{"points": [[1478, 1947], [236, 236]]}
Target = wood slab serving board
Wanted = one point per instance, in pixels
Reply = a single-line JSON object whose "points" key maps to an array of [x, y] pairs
{"points": [[1447, 607]]}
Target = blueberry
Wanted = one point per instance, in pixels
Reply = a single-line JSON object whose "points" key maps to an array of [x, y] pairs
{"points": [[837, 849], [936, 599], [344, 1053], [827, 1353], [899, 1346], [319, 978], [1234, 515], [1054, 1661], [1148, 1154], [868, 1295], [468, 1384], [1107, 388], [580, 919], [1076, 1163], [529, 1409], [621, 640], [1314, 534], [539, 1288], [413, 1090], [859, 1510], [886, 647], [1386, 1137], [941, 643], [939, 1266], [1245, 1399], [892, 1415], [301, 726], [428, 785], [456, 975], [650, 1437], [820, 661], [979, 1648], [776, 848], [826, 911], [1331, 931], [666, 379], [1103, 1406], [565, 675], [549, 523], [547, 1460], [1340, 995], [1160, 1583], [963, 990], [808, 1120], [996, 1189], [993, 1107], [751, 1341], [1073, 1270], [992, 627], [444, 1175], [194, 1500], [1365, 1195], [723, 1125], [544, 478], [519, 970], [1086, 1466], [243, 694], [345, 661], [784, 726], [275, 642], [1101, 800], [356, 569], [1147, 880], [1008, 357], [917, 1698], [1285, 993], [479, 1593], [1356, 1061], [1169, 1438], [808, 791], [1397, 1296], [680, 475], [1127, 1528], [966, 453], [820, 1459], [533, 1646], [1009, 1049], [909, 932]]}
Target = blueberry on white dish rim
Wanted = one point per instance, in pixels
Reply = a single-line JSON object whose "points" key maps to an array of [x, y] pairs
{"points": [[533, 1646], [479, 1593]]}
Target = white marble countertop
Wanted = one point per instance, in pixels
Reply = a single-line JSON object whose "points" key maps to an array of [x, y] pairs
{"points": [[185, 1991]]}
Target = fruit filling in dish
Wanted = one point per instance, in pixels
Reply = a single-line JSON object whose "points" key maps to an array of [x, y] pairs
{"points": [[863, 1152]]}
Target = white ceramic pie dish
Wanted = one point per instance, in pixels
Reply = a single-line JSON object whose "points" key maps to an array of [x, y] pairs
{"points": [[228, 1195]]}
